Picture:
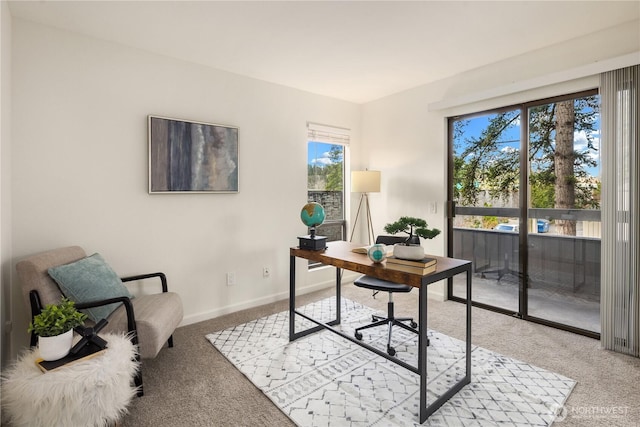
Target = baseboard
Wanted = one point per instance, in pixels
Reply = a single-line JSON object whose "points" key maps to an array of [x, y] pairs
{"points": [[436, 291], [244, 305]]}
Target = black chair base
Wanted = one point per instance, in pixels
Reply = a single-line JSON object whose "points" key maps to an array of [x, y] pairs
{"points": [[380, 285], [390, 321]]}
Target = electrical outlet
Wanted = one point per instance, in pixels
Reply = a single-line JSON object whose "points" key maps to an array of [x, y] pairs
{"points": [[231, 278], [266, 271]]}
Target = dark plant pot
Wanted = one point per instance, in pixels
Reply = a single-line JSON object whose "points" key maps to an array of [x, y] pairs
{"points": [[412, 240]]}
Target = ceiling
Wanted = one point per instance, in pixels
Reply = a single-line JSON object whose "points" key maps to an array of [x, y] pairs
{"points": [[358, 51]]}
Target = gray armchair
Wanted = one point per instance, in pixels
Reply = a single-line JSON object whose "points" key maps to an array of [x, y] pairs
{"points": [[149, 319]]}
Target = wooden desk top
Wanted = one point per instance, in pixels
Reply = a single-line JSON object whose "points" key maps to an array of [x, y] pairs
{"points": [[339, 254]]}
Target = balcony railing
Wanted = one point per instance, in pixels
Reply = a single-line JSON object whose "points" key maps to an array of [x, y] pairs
{"points": [[567, 264]]}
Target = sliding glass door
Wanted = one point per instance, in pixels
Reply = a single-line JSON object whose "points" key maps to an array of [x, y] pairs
{"points": [[563, 242], [487, 218], [524, 207]]}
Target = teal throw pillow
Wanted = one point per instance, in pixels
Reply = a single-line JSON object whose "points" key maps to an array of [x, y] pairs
{"points": [[90, 279]]}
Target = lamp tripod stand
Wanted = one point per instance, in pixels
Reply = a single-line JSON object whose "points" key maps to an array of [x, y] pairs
{"points": [[364, 198]]}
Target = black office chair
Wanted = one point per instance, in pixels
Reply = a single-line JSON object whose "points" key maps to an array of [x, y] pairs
{"points": [[379, 285]]}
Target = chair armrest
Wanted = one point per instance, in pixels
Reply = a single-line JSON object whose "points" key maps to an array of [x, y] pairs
{"points": [[131, 318], [131, 328], [163, 279], [36, 308]]}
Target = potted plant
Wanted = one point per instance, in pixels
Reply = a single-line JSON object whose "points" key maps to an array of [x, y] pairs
{"points": [[54, 328], [415, 228]]}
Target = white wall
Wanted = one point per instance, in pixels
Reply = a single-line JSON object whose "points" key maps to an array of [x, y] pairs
{"points": [[5, 180], [406, 138], [80, 168], [79, 158]]}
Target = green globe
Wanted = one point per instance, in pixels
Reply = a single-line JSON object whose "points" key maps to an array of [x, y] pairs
{"points": [[312, 214]]}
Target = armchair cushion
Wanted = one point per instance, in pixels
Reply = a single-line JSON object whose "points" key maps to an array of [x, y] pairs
{"points": [[157, 316], [90, 279]]}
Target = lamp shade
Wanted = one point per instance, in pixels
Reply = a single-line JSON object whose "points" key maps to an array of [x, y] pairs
{"points": [[365, 181]]}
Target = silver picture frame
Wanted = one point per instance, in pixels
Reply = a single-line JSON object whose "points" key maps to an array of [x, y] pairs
{"points": [[188, 156]]}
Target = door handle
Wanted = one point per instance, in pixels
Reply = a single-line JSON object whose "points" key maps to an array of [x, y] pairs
{"points": [[451, 209]]}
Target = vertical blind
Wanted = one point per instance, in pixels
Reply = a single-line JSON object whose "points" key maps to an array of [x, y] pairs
{"points": [[620, 291]]}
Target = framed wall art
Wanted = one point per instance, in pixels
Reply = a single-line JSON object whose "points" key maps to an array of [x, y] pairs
{"points": [[192, 157]]}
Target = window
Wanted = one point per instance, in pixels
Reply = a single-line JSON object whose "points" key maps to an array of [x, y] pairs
{"points": [[525, 181], [326, 152]]}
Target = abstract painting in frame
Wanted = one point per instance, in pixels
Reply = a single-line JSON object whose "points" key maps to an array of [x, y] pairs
{"points": [[192, 157]]}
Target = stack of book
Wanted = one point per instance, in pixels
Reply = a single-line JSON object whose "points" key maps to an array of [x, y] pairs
{"points": [[86, 352], [424, 266]]}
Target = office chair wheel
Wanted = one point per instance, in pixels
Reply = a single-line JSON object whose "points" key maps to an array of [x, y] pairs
{"points": [[413, 325], [391, 350], [359, 336]]}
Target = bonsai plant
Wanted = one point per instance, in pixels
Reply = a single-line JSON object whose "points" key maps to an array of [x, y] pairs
{"points": [[415, 228], [54, 327]]}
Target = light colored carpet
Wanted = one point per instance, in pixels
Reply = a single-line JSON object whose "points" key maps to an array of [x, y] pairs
{"points": [[326, 380], [193, 385]]}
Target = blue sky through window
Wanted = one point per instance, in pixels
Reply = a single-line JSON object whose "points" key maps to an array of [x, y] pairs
{"points": [[318, 153], [510, 139]]}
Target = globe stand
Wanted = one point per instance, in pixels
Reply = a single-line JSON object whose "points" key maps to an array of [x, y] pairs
{"points": [[313, 242]]}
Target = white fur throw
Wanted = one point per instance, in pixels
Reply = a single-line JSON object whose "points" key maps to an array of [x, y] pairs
{"points": [[92, 392]]}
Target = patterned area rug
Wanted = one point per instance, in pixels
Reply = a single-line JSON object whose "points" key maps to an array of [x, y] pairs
{"points": [[326, 380]]}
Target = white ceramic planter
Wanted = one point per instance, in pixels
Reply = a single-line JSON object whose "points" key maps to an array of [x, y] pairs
{"points": [[408, 252], [54, 348]]}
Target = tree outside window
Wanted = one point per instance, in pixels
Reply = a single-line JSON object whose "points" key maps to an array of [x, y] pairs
{"points": [[563, 153], [325, 184]]}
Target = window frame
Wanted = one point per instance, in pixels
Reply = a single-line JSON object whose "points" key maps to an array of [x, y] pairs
{"points": [[334, 136], [523, 211]]}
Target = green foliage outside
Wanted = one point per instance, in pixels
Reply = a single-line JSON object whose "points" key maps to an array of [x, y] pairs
{"points": [[56, 319], [484, 164], [334, 170], [489, 222], [328, 177], [486, 222], [542, 189]]}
